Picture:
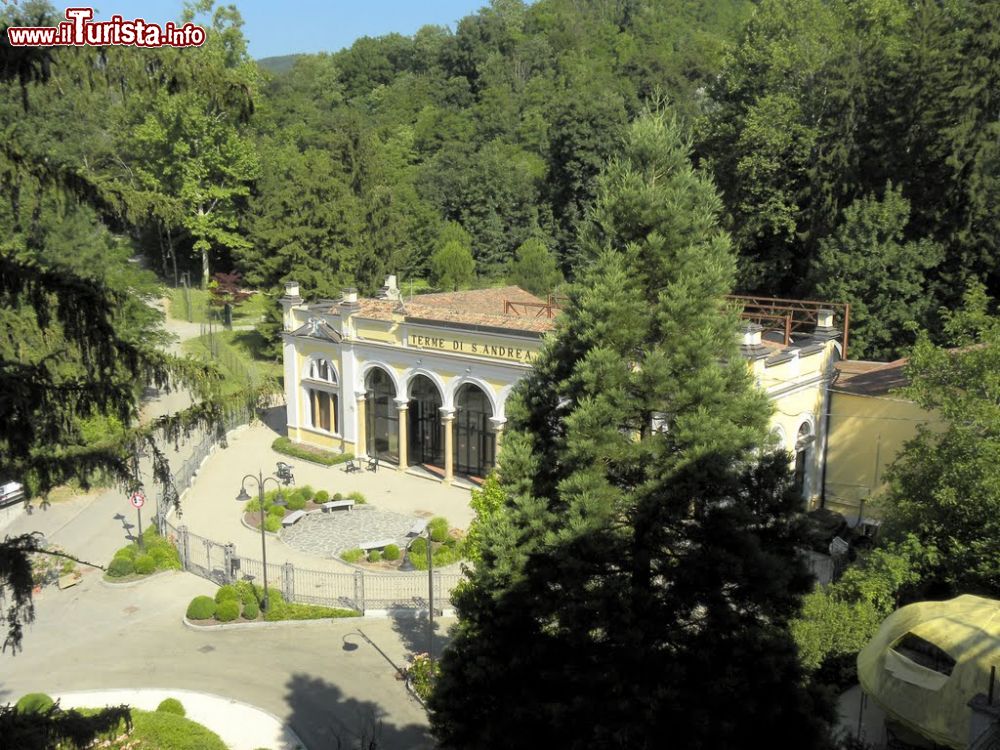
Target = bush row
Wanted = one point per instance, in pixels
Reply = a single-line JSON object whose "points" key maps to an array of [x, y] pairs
{"points": [[295, 499], [286, 446], [244, 598]]}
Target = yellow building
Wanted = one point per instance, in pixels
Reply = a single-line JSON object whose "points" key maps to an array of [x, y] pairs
{"points": [[423, 382], [868, 425]]}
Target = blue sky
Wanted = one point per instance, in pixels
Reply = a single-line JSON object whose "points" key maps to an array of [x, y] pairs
{"points": [[281, 28]]}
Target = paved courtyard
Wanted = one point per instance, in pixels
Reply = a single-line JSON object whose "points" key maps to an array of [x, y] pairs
{"points": [[329, 534], [210, 508]]}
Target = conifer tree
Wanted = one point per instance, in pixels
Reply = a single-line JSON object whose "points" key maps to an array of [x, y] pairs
{"points": [[636, 591]]}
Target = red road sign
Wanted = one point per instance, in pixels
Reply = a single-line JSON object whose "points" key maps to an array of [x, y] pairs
{"points": [[137, 499]]}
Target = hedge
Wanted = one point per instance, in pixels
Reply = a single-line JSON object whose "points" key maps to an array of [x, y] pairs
{"points": [[201, 608], [34, 703], [251, 609], [282, 610], [286, 446], [227, 611], [156, 554], [171, 706], [227, 593], [145, 564]]}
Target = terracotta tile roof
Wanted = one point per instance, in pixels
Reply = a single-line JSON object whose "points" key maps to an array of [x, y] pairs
{"points": [[476, 307], [869, 378]]}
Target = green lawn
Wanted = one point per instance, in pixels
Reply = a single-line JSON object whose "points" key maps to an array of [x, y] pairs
{"points": [[201, 311], [239, 355]]}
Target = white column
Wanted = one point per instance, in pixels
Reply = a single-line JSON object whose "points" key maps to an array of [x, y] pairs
{"points": [[402, 407], [360, 447], [292, 390]]}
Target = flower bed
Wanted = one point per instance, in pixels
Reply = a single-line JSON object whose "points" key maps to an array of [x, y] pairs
{"points": [[132, 563], [297, 498], [306, 453]]}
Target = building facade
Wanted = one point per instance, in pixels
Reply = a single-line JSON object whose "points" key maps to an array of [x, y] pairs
{"points": [[423, 382]]}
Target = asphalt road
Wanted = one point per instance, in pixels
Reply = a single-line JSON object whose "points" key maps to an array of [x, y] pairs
{"points": [[332, 681]]}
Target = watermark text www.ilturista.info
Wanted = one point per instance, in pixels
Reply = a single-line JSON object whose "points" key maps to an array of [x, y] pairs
{"points": [[80, 30]]}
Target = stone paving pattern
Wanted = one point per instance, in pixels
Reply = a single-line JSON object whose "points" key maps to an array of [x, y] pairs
{"points": [[329, 534]]}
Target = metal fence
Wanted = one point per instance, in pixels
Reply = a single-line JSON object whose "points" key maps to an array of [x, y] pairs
{"points": [[360, 590]]}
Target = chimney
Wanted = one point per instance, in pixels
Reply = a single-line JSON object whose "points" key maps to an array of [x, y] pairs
{"points": [[390, 290], [292, 290], [751, 345]]}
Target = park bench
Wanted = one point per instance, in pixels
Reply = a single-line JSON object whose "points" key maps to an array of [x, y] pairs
{"points": [[379, 544], [293, 517], [418, 528], [337, 505], [373, 463], [352, 466], [70, 579]]}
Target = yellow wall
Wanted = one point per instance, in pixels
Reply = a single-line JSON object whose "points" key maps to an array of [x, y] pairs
{"points": [[866, 435]]}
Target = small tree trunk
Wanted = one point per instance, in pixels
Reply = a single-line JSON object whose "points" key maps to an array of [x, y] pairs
{"points": [[204, 269], [173, 255]]}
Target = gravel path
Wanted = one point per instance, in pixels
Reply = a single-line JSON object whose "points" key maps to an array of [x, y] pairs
{"points": [[329, 534]]}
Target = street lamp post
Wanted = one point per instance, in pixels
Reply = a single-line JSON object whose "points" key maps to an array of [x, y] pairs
{"points": [[430, 600], [261, 480]]}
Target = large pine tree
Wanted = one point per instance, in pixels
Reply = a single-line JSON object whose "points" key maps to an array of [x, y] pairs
{"points": [[637, 589]]}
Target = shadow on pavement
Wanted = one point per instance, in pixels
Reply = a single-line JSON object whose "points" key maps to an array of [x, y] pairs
{"points": [[323, 718], [126, 527], [275, 418], [412, 631]]}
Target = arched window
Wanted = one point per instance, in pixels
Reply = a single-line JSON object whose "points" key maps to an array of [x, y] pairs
{"points": [[475, 443], [324, 411], [382, 431], [426, 444], [321, 369]]}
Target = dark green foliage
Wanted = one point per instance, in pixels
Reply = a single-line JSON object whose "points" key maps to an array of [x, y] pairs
{"points": [[145, 564], [251, 609], [282, 610], [171, 706], [945, 484], [453, 267], [438, 527], [227, 611], [629, 559], [338, 496], [63, 729], [391, 552], [247, 592], [227, 593], [535, 268], [201, 608], [121, 567], [308, 453], [34, 703], [168, 730]]}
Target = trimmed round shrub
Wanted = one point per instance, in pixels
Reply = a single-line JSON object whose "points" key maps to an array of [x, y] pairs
{"points": [[201, 608], [272, 524], [165, 557], [145, 564], [352, 555], [374, 556], [438, 528], [34, 703], [251, 609], [171, 706], [337, 496], [296, 503], [121, 567], [357, 497], [277, 511], [227, 593], [391, 552], [228, 611], [418, 547], [321, 497]]}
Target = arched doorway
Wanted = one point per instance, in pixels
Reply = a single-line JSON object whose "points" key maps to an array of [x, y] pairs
{"points": [[475, 443], [426, 431], [803, 450], [382, 428]]}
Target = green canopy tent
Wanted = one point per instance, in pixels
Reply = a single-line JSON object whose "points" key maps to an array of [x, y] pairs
{"points": [[928, 660]]}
